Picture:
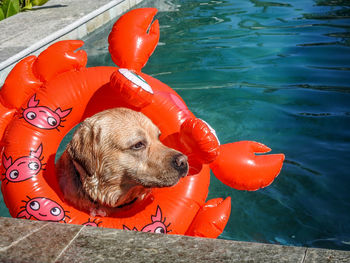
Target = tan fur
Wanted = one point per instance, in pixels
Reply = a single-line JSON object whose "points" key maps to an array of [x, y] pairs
{"points": [[119, 157]]}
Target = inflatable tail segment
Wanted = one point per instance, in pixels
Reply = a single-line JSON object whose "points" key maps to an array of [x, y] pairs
{"points": [[133, 38], [237, 165]]}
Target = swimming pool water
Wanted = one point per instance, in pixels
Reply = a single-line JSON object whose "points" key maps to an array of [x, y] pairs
{"points": [[276, 72]]}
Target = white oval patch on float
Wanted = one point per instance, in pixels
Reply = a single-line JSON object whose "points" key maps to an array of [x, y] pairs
{"points": [[136, 79], [212, 131]]}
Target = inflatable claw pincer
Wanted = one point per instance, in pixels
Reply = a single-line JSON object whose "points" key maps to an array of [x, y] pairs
{"points": [[44, 97]]}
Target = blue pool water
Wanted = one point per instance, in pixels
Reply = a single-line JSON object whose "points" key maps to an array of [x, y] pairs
{"points": [[276, 72]]}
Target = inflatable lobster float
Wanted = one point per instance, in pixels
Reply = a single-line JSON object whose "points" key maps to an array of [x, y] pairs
{"points": [[44, 97]]}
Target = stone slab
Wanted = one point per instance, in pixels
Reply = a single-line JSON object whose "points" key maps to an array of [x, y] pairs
{"points": [[14, 230], [33, 241], [130, 246], [326, 255]]}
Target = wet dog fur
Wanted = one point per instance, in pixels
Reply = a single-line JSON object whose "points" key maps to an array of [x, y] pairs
{"points": [[114, 158]]}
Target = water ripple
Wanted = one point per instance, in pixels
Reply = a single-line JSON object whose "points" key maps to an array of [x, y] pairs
{"points": [[323, 88], [258, 3]]}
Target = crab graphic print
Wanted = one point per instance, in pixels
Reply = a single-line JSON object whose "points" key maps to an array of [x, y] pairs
{"points": [[43, 209], [43, 117], [24, 167], [157, 226]]}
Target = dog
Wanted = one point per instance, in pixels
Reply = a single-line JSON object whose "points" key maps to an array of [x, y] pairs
{"points": [[114, 158]]}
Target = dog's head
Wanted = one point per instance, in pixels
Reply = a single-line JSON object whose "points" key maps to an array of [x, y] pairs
{"points": [[118, 156]]}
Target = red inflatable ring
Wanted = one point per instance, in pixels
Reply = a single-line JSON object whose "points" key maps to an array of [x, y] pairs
{"points": [[44, 97]]}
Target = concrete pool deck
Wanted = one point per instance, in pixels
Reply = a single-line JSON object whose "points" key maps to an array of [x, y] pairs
{"points": [[32, 241]]}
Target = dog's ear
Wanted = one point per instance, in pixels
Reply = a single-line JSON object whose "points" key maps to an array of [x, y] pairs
{"points": [[85, 151]]}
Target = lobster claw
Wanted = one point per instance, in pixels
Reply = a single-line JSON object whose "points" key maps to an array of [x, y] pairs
{"points": [[237, 165], [199, 139], [133, 38], [211, 219], [62, 53], [132, 88]]}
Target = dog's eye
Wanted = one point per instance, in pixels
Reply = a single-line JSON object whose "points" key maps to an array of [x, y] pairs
{"points": [[138, 146]]}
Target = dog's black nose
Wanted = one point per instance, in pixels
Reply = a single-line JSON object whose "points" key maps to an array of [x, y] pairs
{"points": [[179, 162]]}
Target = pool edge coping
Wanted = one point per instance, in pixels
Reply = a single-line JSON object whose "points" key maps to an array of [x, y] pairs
{"points": [[22, 241]]}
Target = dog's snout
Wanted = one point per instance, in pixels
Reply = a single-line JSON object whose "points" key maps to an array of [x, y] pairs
{"points": [[179, 162]]}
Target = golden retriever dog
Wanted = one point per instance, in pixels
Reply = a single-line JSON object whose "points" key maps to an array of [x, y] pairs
{"points": [[115, 158]]}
